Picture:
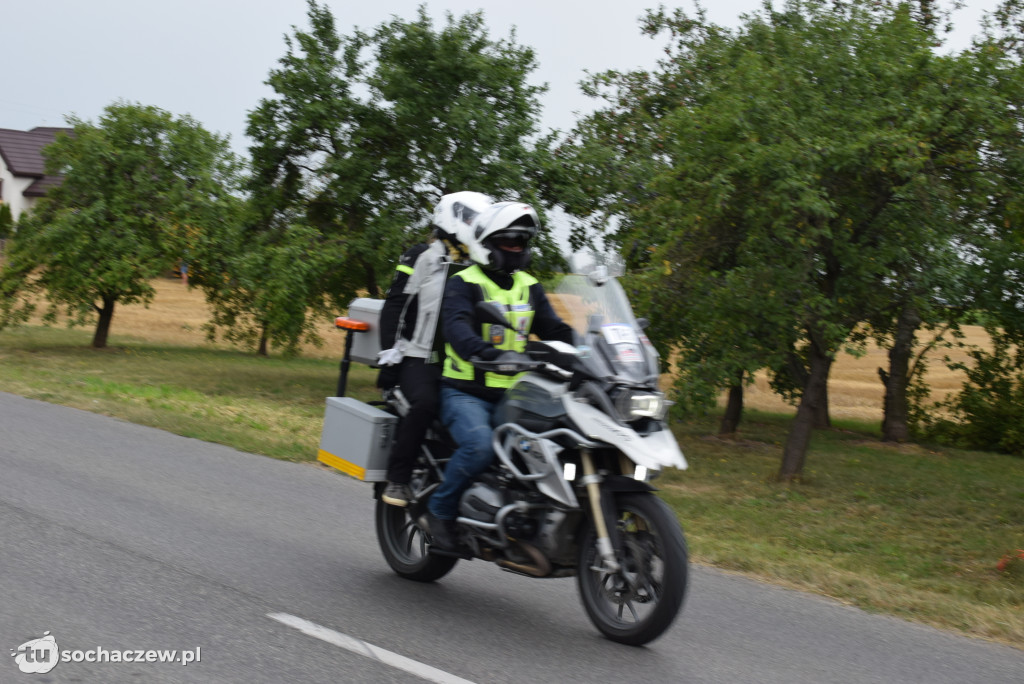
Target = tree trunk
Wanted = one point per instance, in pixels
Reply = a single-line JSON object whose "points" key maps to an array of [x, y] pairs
{"points": [[795, 452], [733, 409], [106, 312], [896, 407], [262, 349], [822, 420], [372, 290], [800, 375]]}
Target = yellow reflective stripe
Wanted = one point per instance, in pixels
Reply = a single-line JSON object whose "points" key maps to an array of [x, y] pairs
{"points": [[341, 464], [464, 370], [499, 380], [455, 366], [404, 269]]}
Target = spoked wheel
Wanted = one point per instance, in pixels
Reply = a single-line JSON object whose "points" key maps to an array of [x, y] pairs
{"points": [[637, 603], [404, 545]]}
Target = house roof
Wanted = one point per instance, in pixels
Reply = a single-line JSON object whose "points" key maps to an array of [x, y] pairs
{"points": [[42, 185], [22, 152]]}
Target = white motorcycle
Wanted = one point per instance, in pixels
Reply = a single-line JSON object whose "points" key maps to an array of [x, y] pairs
{"points": [[579, 436]]}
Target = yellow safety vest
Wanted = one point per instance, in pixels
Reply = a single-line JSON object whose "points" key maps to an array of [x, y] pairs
{"points": [[518, 310]]}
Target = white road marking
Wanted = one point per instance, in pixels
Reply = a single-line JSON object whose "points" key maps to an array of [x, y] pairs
{"points": [[431, 674]]}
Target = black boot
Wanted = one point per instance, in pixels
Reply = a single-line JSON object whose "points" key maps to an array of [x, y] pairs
{"points": [[443, 533]]}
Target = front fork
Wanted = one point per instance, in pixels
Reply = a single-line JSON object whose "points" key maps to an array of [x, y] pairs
{"points": [[602, 514]]}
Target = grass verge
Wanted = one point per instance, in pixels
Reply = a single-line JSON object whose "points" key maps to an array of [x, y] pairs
{"points": [[271, 406], [903, 530]]}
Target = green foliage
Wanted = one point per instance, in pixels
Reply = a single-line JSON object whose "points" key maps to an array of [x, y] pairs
{"points": [[362, 136], [780, 185], [137, 186], [6, 221], [265, 290], [462, 110], [988, 412]]}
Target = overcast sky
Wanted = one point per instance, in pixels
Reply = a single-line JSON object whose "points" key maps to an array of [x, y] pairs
{"points": [[209, 58]]}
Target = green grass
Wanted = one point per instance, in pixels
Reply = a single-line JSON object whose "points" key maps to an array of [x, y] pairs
{"points": [[271, 406], [906, 530]]}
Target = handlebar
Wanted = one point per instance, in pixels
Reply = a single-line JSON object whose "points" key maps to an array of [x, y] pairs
{"points": [[508, 363], [541, 357]]}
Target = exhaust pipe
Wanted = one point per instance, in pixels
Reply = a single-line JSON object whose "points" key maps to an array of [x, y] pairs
{"points": [[541, 567]]}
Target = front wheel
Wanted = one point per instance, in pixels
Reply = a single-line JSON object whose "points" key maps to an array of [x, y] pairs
{"points": [[637, 603], [405, 546]]}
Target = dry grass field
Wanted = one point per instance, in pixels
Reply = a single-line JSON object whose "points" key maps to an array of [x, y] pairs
{"points": [[855, 390], [178, 313]]}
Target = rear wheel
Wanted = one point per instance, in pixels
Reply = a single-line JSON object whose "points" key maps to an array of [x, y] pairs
{"points": [[637, 603], [404, 546]]}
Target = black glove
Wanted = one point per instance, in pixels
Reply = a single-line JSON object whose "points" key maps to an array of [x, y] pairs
{"points": [[511, 362]]}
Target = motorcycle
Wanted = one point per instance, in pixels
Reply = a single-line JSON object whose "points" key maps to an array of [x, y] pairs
{"points": [[579, 436]]}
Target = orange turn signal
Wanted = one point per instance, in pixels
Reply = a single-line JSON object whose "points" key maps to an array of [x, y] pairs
{"points": [[351, 324]]}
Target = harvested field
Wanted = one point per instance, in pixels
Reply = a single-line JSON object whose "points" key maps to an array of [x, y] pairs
{"points": [[855, 389], [178, 313]]}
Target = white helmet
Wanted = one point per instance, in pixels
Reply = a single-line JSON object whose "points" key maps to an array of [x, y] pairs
{"points": [[501, 236], [455, 213]]}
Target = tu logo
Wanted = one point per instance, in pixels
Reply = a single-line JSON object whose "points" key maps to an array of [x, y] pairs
{"points": [[37, 656]]}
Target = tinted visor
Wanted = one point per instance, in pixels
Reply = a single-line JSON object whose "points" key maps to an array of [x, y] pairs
{"points": [[511, 241]]}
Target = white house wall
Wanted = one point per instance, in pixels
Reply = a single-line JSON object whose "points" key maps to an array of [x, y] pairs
{"points": [[13, 187]]}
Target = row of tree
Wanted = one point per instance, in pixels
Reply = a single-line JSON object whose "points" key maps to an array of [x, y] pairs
{"points": [[819, 177]]}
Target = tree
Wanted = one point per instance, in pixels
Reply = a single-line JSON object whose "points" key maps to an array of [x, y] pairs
{"points": [[133, 182], [362, 136], [986, 413], [807, 168], [605, 170], [6, 224]]}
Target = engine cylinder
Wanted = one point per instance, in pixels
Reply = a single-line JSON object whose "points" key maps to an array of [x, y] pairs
{"points": [[481, 502]]}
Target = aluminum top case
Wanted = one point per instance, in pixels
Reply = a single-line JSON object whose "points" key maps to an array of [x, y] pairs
{"points": [[366, 345], [356, 439]]}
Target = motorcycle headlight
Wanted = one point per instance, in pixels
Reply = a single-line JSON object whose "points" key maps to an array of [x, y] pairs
{"points": [[635, 404], [569, 471]]}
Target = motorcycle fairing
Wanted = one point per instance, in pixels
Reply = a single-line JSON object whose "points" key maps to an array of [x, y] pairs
{"points": [[655, 451]]}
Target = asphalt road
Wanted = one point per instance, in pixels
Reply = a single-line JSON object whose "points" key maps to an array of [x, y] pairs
{"points": [[117, 537]]}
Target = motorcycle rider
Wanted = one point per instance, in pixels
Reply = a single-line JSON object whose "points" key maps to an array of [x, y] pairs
{"points": [[418, 362], [499, 249], [391, 315]]}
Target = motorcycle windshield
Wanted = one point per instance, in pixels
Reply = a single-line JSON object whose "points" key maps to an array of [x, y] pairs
{"points": [[598, 309]]}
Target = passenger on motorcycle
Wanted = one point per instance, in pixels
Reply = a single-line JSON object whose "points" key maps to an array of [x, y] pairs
{"points": [[392, 315], [499, 248], [414, 350]]}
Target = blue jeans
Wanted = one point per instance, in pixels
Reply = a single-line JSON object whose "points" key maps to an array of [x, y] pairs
{"points": [[468, 420]]}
